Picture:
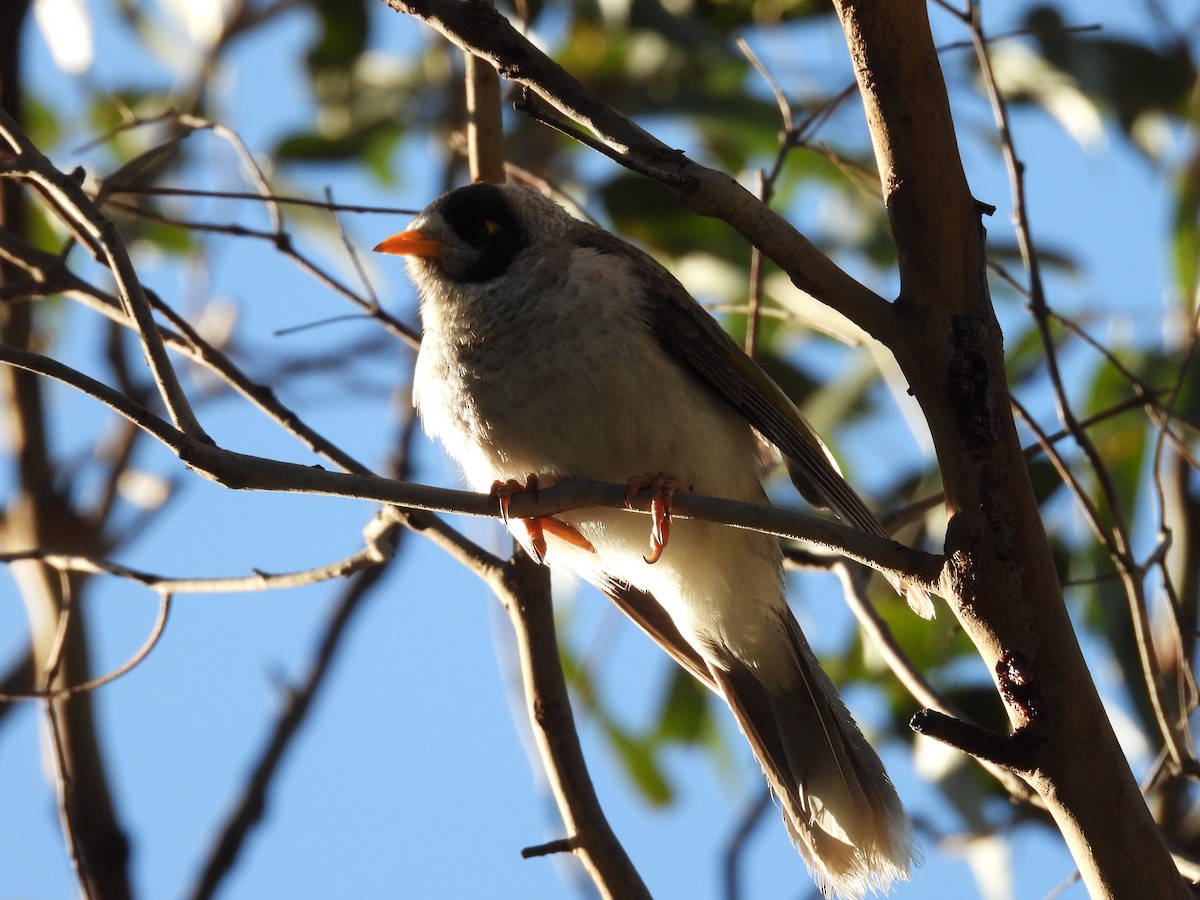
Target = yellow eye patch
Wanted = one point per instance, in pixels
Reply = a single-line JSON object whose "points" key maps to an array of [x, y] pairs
{"points": [[491, 227]]}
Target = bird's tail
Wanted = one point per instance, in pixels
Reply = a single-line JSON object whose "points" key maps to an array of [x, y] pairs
{"points": [[838, 803]]}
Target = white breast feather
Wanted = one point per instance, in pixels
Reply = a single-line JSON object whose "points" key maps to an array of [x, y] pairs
{"points": [[606, 403]]}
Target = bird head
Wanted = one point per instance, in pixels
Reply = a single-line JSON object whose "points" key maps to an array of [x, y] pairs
{"points": [[472, 234]]}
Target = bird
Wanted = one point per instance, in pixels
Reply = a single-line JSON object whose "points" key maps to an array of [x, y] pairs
{"points": [[553, 350]]}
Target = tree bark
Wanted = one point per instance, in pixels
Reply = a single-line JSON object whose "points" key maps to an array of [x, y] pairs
{"points": [[1000, 578]]}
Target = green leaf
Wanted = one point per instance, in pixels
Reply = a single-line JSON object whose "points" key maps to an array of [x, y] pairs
{"points": [[372, 141], [343, 34], [41, 123], [640, 762], [1185, 236], [647, 213], [684, 713], [1120, 440], [1128, 79]]}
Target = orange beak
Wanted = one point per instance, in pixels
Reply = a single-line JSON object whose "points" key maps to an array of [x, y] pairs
{"points": [[410, 243]]}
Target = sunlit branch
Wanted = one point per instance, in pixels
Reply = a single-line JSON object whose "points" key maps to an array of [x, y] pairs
{"points": [[244, 472]]}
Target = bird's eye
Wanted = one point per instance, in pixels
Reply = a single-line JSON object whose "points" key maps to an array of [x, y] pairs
{"points": [[478, 232]]}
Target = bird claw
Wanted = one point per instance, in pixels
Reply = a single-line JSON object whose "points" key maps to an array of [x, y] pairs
{"points": [[504, 491], [536, 527], [662, 494]]}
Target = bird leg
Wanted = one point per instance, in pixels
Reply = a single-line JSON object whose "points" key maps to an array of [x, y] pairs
{"points": [[535, 528], [662, 494]]}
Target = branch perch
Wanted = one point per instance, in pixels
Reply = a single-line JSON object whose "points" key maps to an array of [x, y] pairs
{"points": [[240, 471]]}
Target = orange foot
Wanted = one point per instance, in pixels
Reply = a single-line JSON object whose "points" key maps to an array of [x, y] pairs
{"points": [[662, 493], [536, 528]]}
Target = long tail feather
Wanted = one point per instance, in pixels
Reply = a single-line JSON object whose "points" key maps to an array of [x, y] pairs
{"points": [[838, 803]]}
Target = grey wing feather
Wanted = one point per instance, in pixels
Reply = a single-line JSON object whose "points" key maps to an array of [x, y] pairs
{"points": [[698, 343]]}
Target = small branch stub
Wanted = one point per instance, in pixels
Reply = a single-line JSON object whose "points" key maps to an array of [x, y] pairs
{"points": [[559, 845], [1008, 751]]}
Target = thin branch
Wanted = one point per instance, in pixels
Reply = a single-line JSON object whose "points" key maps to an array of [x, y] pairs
{"points": [[49, 275], [281, 239], [384, 533], [58, 693], [885, 643], [250, 806], [735, 849], [911, 678], [68, 197], [371, 555], [353, 254], [67, 821], [241, 471], [1116, 539], [524, 589], [1007, 751], [328, 205], [277, 235], [1132, 577]]}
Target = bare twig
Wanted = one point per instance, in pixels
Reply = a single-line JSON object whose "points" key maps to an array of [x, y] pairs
{"points": [[67, 819], [249, 808], [373, 554], [57, 693], [151, 190], [1116, 537], [1172, 727], [278, 234], [734, 855], [81, 214], [383, 536], [281, 239], [48, 275], [913, 680]]}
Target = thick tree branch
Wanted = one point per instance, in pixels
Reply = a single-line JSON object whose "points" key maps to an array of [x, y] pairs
{"points": [[1001, 575], [477, 27]]}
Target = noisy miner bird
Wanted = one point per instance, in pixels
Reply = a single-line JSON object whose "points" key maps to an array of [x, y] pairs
{"points": [[555, 349]]}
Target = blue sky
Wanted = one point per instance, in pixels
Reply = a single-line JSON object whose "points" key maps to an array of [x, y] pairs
{"points": [[414, 776]]}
